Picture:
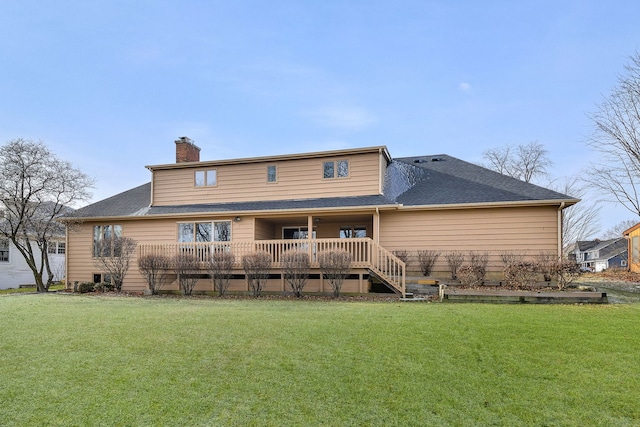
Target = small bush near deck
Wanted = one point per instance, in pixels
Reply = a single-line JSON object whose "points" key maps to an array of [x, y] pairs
{"points": [[426, 260], [474, 273], [469, 275], [402, 255], [220, 268], [455, 260], [296, 265], [256, 268], [155, 270], [187, 267], [335, 267], [521, 274]]}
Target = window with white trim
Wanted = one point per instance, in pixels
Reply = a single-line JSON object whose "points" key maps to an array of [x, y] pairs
{"points": [[103, 236], [56, 248], [272, 173], [335, 169], [210, 231], [4, 250], [206, 178]]}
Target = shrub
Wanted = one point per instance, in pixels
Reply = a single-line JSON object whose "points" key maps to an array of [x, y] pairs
{"points": [[86, 287], [402, 255], [187, 267], [220, 268], [521, 274], [470, 275], [335, 267], [474, 273], [296, 265], [155, 270], [548, 263], [426, 260], [454, 261], [567, 271], [256, 268]]}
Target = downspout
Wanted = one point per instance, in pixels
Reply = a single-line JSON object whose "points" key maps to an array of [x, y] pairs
{"points": [[151, 196], [560, 208], [66, 258], [376, 226]]}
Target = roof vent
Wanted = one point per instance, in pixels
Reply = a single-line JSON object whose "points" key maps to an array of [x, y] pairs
{"points": [[437, 159], [418, 161]]}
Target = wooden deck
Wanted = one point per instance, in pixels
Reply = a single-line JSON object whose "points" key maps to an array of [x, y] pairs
{"points": [[521, 297]]}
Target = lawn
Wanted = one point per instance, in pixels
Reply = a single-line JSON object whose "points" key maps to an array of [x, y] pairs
{"points": [[92, 360]]}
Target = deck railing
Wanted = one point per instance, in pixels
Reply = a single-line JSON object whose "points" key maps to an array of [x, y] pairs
{"points": [[365, 253]]}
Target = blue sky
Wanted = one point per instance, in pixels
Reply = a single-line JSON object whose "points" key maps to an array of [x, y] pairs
{"points": [[109, 85]]}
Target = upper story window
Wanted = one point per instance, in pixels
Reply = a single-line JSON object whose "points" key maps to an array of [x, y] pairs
{"points": [[4, 250], [335, 169], [272, 173], [206, 178], [103, 236], [216, 231]]}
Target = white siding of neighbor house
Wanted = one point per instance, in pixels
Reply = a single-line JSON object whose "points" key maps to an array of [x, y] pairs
{"points": [[16, 272]]}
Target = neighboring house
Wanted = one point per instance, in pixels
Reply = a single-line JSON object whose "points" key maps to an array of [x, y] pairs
{"points": [[632, 235], [14, 270], [361, 200], [598, 255]]}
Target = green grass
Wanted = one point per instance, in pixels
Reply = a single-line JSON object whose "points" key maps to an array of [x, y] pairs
{"points": [[91, 360], [52, 288]]}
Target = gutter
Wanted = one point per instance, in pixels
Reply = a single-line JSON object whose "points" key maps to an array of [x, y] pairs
{"points": [[562, 202]]}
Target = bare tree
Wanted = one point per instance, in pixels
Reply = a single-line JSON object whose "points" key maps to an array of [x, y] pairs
{"points": [[187, 267], [616, 138], [113, 256], [296, 265], [454, 260], [155, 270], [36, 188], [617, 230], [427, 259], [524, 162], [220, 269], [335, 267], [256, 269], [580, 221]]}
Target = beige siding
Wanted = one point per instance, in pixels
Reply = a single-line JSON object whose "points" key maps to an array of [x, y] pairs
{"points": [[80, 264], [264, 230], [633, 250], [298, 178], [526, 231]]}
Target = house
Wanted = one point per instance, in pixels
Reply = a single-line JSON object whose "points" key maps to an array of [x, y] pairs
{"points": [[632, 236], [598, 255], [361, 200], [14, 270]]}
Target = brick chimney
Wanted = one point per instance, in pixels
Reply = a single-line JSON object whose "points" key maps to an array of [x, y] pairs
{"points": [[186, 150]]}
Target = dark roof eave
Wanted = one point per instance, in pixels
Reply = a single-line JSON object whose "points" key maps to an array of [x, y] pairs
{"points": [[232, 213]]}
